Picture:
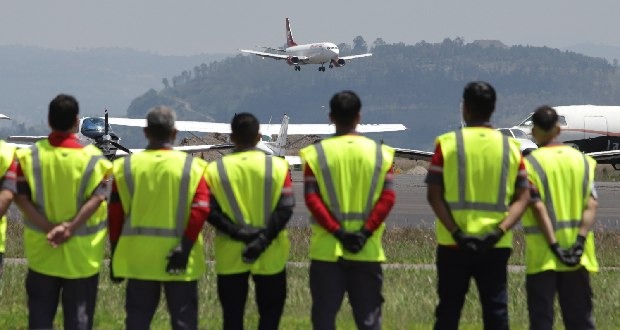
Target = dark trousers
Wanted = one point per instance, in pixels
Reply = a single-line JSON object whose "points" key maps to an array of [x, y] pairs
{"points": [[574, 293], [454, 271], [1, 264], [232, 290], [78, 300], [362, 281], [142, 298]]}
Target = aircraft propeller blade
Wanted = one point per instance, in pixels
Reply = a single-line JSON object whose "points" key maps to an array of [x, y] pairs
{"points": [[119, 146]]}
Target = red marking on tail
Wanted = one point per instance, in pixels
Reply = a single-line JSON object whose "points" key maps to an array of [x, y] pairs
{"points": [[289, 35]]}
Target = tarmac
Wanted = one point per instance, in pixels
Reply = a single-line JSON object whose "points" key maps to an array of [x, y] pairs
{"points": [[412, 209]]}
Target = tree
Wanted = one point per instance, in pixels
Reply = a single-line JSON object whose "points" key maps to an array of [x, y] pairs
{"points": [[359, 46], [378, 42], [166, 83], [344, 49]]}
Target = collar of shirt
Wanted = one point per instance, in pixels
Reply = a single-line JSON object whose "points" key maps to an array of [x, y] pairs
{"points": [[480, 124], [64, 140], [159, 146]]}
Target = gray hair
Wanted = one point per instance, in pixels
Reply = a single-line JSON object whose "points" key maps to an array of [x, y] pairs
{"points": [[160, 121]]}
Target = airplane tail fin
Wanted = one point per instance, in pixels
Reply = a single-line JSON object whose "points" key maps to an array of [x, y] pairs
{"points": [[289, 35], [281, 140]]}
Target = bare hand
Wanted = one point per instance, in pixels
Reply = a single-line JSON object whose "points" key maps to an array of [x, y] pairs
{"points": [[58, 235]]}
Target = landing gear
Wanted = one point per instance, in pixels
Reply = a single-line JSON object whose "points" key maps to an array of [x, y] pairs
{"points": [[297, 68], [331, 66], [322, 68]]}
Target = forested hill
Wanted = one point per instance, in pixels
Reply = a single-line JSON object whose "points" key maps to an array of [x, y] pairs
{"points": [[417, 85]]}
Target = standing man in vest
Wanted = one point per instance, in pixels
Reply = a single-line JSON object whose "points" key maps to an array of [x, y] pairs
{"points": [[7, 190], [158, 206], [348, 190], [559, 244], [477, 187], [252, 201], [62, 189]]}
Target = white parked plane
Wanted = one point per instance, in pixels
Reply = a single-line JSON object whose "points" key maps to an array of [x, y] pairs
{"points": [[593, 129], [315, 53], [275, 148]]}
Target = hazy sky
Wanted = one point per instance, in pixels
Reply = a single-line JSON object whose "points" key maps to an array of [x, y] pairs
{"points": [[185, 27]]}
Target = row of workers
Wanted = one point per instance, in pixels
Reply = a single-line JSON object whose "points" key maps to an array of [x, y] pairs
{"points": [[477, 185]]}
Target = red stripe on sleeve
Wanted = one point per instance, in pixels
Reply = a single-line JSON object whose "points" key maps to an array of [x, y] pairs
{"points": [[199, 211], [317, 208], [116, 215]]}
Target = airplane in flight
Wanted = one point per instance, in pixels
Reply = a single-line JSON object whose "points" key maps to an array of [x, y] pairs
{"points": [[316, 53], [592, 129]]}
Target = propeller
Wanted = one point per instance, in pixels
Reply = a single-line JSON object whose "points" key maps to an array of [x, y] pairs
{"points": [[107, 140]]}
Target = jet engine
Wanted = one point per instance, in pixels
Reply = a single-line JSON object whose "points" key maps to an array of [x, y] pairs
{"points": [[293, 60], [338, 63]]}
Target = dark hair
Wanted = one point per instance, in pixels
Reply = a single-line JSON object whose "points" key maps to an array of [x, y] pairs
{"points": [[545, 118], [479, 99], [344, 107], [63, 110], [160, 122], [245, 128]]}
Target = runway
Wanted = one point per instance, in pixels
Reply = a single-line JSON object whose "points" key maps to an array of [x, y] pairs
{"points": [[412, 209]]}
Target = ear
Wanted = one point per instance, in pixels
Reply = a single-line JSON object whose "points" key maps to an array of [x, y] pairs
{"points": [[173, 135], [76, 124], [146, 132], [258, 138], [358, 118], [331, 119]]}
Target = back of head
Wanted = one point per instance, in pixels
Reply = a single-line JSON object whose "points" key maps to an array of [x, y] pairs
{"points": [[479, 99], [245, 127], [344, 108], [545, 118], [63, 112], [160, 123]]}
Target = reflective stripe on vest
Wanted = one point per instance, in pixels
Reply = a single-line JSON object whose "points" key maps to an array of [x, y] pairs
{"points": [[37, 178], [230, 196], [331, 190], [568, 223], [462, 204], [181, 216]]}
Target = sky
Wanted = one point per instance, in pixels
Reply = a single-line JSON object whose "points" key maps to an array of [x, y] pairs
{"points": [[190, 27]]}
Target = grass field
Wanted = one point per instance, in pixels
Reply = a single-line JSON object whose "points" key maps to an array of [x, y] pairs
{"points": [[409, 294]]}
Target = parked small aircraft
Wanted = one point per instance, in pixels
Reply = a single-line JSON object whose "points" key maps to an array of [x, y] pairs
{"points": [[315, 53]]}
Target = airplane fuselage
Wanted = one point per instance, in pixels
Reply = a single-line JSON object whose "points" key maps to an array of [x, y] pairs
{"points": [[315, 53]]}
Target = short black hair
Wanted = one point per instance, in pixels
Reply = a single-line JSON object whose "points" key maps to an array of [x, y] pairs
{"points": [[244, 127], [63, 110], [479, 98], [545, 118], [344, 107]]}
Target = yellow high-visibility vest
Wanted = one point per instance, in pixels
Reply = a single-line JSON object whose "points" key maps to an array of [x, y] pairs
{"points": [[247, 185], [564, 178], [156, 189], [350, 171], [7, 153], [479, 173], [61, 180]]}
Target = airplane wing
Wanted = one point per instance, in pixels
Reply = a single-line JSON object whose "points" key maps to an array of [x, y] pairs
{"points": [[26, 138], [355, 56], [2, 116], [326, 129], [185, 126], [413, 154], [293, 160], [188, 149], [264, 54], [606, 157]]}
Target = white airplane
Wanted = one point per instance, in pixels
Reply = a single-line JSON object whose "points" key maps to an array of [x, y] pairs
{"points": [[315, 53], [592, 129], [276, 148]]}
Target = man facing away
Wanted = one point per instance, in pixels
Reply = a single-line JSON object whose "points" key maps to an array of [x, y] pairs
{"points": [[348, 190], [62, 191], [158, 205], [477, 187], [252, 201], [559, 244]]}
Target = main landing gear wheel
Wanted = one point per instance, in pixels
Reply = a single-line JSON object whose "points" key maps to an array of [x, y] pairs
{"points": [[322, 68], [331, 66], [297, 68]]}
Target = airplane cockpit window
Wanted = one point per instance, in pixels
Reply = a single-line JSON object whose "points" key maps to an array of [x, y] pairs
{"points": [[519, 134], [505, 131], [93, 126], [562, 121]]}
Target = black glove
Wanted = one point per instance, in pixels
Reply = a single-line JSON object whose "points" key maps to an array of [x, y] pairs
{"points": [[254, 249], [563, 255], [469, 244], [353, 241], [247, 234], [113, 277], [577, 249], [177, 258], [489, 240]]}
